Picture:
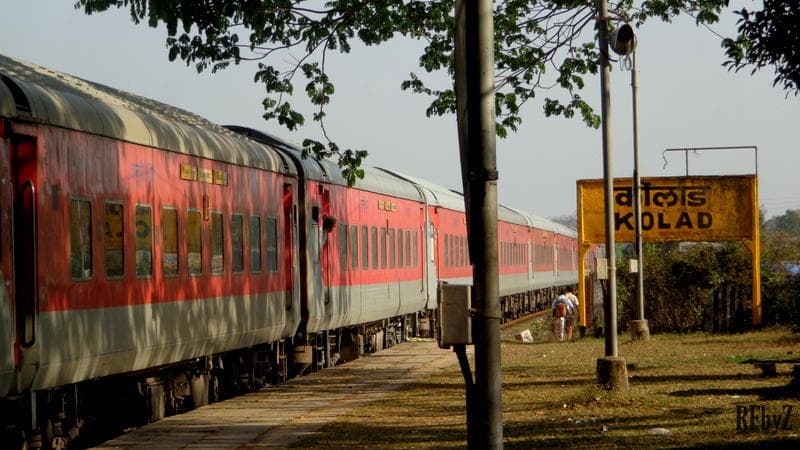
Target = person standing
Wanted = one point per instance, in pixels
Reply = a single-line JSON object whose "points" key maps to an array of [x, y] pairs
{"points": [[575, 316], [562, 309]]}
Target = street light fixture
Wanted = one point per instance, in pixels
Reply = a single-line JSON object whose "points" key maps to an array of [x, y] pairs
{"points": [[623, 42]]}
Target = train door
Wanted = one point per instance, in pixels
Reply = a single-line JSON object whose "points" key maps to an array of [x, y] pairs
{"points": [[8, 357], [555, 258], [431, 261], [24, 250], [288, 244], [318, 256], [328, 224], [529, 259]]}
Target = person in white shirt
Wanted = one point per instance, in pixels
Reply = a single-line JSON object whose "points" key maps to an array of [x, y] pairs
{"points": [[575, 315]]}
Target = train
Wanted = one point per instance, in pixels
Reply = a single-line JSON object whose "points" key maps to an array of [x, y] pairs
{"points": [[152, 261]]}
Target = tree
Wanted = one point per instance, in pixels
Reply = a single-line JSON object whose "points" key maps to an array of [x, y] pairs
{"points": [[569, 220], [768, 38], [789, 222], [688, 286], [780, 243], [541, 45]]}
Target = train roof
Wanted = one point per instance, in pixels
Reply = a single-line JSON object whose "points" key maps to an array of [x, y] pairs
{"points": [[32, 93], [327, 171], [511, 215], [435, 195]]}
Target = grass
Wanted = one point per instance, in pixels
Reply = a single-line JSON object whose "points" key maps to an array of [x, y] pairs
{"points": [[684, 392]]}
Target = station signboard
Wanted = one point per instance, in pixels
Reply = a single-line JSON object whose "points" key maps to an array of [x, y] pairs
{"points": [[693, 208], [675, 209]]}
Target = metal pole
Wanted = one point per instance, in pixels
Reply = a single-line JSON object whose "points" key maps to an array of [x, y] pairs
{"points": [[639, 330], [610, 303], [475, 96]]}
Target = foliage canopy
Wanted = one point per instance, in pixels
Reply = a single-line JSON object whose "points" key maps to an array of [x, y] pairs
{"points": [[540, 45], [768, 38]]}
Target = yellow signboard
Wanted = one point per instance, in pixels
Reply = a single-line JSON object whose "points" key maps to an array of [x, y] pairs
{"points": [[696, 208]]}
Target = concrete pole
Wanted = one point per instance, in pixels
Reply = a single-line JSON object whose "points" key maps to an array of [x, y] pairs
{"points": [[639, 327], [611, 370], [475, 95]]}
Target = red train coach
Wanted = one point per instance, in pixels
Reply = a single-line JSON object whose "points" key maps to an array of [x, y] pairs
{"points": [[363, 274], [134, 236]]}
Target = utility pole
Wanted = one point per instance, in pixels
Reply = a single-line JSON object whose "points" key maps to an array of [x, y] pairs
{"points": [[475, 96], [640, 331], [611, 370]]}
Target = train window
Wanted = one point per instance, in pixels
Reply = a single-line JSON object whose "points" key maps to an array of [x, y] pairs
{"points": [[354, 247], [454, 244], [383, 247], [462, 251], [272, 244], [399, 248], [143, 237], [343, 246], [465, 263], [454, 251], [114, 240], [364, 247], [80, 223], [416, 248], [237, 243], [254, 235], [374, 247], [447, 250], [169, 231], [194, 241], [217, 244], [501, 259], [408, 248], [391, 248]]}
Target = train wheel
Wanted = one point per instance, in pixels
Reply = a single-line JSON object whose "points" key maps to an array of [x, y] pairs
{"points": [[200, 388], [214, 388]]}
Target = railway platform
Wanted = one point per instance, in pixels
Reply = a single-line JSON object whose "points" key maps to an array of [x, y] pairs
{"points": [[276, 416]]}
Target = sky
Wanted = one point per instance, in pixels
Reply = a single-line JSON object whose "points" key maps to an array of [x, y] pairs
{"points": [[686, 100]]}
